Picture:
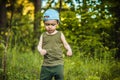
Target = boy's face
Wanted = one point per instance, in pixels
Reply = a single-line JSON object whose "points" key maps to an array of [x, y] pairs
{"points": [[51, 25]]}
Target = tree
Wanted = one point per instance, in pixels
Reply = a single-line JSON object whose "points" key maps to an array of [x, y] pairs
{"points": [[60, 6], [115, 33], [3, 26], [3, 16], [37, 19], [37, 11]]}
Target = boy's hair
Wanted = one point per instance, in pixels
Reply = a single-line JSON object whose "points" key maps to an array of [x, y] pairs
{"points": [[51, 14]]}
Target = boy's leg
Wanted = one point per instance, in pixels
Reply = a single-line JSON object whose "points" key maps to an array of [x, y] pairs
{"points": [[45, 73], [59, 72]]}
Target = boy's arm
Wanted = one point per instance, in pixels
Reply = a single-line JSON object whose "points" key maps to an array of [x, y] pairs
{"points": [[66, 45], [42, 51]]}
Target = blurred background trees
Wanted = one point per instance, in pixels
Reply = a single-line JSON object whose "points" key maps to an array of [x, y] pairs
{"points": [[91, 26]]}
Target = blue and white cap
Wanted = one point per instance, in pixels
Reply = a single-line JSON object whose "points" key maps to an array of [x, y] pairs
{"points": [[51, 14]]}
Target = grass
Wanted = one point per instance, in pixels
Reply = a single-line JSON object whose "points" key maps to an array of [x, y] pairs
{"points": [[26, 66], [23, 66]]}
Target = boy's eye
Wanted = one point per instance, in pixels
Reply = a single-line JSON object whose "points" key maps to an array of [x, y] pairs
{"points": [[50, 24]]}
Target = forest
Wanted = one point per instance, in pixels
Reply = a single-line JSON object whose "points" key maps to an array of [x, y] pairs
{"points": [[91, 27]]}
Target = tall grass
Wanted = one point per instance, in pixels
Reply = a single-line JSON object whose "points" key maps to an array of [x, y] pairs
{"points": [[23, 66], [88, 68], [26, 66]]}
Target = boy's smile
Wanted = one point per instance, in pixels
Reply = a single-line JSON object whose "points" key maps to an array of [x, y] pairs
{"points": [[50, 25]]}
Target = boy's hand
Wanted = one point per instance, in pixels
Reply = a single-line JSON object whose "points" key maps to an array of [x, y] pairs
{"points": [[43, 52], [69, 53]]}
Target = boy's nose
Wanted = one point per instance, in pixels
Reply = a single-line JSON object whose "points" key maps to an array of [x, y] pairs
{"points": [[49, 26]]}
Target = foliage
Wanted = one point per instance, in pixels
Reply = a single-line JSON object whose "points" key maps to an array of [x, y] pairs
{"points": [[87, 38], [26, 66], [2, 50], [22, 34], [1, 57]]}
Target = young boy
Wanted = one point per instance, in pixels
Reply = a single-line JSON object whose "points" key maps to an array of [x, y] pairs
{"points": [[50, 46]]}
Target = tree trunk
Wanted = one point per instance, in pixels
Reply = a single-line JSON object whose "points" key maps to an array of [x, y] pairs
{"points": [[60, 6], [3, 26], [84, 10], [37, 4], [37, 20], [3, 16]]}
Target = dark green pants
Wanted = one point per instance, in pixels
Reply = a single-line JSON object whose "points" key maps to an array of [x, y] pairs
{"points": [[50, 72]]}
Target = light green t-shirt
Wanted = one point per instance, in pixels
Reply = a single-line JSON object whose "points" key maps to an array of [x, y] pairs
{"points": [[53, 45]]}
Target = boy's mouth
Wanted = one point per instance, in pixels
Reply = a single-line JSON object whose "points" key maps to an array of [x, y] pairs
{"points": [[50, 31]]}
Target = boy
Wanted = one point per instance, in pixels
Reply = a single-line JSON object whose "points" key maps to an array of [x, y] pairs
{"points": [[50, 46]]}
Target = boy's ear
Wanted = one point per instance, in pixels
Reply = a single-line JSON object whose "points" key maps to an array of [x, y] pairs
{"points": [[57, 22]]}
